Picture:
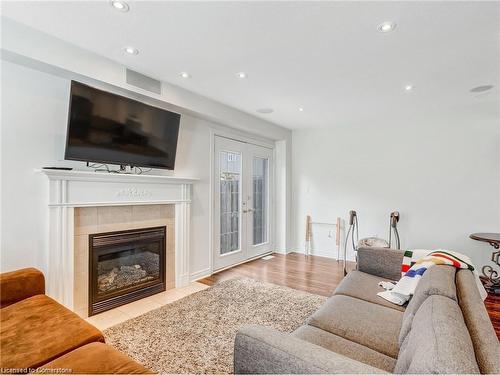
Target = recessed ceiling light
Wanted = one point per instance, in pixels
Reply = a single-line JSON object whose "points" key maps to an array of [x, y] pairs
{"points": [[408, 87], [482, 88], [386, 27], [241, 75], [122, 6], [301, 109], [265, 110], [185, 75], [131, 50]]}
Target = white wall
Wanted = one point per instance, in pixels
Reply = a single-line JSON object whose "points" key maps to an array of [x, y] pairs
{"points": [[44, 54], [34, 120], [36, 70], [444, 178]]}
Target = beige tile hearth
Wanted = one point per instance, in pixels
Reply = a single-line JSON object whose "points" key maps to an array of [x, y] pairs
{"points": [[120, 314], [136, 308], [108, 319]]}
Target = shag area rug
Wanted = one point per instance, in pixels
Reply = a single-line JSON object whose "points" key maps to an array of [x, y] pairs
{"points": [[196, 334]]}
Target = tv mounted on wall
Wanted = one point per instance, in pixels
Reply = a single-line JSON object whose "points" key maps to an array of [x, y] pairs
{"points": [[111, 129]]}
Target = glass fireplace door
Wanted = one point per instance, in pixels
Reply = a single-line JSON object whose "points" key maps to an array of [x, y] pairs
{"points": [[125, 266], [122, 269]]}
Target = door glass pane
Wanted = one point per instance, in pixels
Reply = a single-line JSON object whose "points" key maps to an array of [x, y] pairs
{"points": [[260, 200], [230, 181]]}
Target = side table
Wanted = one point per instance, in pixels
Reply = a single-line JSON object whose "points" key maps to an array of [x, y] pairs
{"points": [[491, 275]]}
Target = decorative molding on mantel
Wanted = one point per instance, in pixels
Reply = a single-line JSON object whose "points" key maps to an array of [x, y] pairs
{"points": [[71, 189]]}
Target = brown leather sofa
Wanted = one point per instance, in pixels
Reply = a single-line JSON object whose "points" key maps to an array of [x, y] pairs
{"points": [[36, 332]]}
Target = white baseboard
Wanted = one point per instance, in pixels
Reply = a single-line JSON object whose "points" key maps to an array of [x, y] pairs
{"points": [[243, 261], [200, 274], [350, 258], [281, 251]]}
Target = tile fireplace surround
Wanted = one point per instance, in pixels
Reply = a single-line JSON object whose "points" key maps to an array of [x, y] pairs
{"points": [[83, 203], [92, 220]]}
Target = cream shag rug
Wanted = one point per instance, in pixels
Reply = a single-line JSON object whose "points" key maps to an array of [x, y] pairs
{"points": [[196, 334]]}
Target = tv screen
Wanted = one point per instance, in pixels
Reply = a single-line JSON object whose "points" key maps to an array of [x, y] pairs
{"points": [[108, 128]]}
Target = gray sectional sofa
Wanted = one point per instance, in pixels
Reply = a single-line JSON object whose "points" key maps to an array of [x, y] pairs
{"points": [[443, 329]]}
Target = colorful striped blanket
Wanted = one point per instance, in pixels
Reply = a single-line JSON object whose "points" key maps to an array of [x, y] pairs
{"points": [[414, 265]]}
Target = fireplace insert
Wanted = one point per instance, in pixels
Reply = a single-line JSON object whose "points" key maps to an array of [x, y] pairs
{"points": [[125, 266]]}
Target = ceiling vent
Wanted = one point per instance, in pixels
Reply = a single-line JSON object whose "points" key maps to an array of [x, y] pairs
{"points": [[143, 82]]}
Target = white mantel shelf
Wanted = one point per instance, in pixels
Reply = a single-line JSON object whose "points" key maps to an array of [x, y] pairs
{"points": [[75, 175], [71, 189]]}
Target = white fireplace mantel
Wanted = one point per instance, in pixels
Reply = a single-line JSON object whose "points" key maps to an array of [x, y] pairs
{"points": [[70, 189]]}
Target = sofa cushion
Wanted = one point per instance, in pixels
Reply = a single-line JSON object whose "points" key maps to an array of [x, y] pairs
{"points": [[380, 261], [21, 284], [37, 330], [478, 323], [365, 323], [97, 358], [437, 280], [364, 286], [345, 347], [438, 342], [263, 350]]}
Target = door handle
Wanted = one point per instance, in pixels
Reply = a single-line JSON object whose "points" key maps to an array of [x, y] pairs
{"points": [[248, 210]]}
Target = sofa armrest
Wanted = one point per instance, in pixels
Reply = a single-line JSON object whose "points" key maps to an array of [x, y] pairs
{"points": [[21, 284], [262, 350], [379, 261]]}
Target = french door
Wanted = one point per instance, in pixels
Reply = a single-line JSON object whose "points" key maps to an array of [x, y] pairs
{"points": [[243, 201]]}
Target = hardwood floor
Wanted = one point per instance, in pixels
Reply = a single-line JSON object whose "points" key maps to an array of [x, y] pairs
{"points": [[311, 274]]}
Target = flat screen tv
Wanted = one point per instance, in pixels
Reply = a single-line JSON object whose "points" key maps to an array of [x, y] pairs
{"points": [[108, 128]]}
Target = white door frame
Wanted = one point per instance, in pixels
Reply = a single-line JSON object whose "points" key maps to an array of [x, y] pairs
{"points": [[272, 191]]}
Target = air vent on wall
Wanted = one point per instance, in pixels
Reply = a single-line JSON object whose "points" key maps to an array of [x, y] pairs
{"points": [[144, 82]]}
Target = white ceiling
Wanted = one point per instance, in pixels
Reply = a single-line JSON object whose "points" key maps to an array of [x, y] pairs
{"points": [[326, 57]]}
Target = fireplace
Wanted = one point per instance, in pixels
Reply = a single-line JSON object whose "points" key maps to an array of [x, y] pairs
{"points": [[125, 266]]}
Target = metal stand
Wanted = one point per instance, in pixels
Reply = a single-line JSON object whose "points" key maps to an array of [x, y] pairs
{"points": [[492, 284], [490, 276], [393, 226], [353, 227]]}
